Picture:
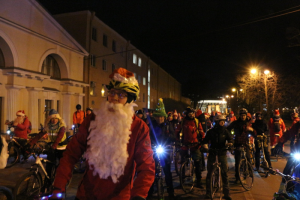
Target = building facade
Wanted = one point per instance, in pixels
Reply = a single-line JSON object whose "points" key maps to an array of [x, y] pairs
{"points": [[41, 64], [210, 106], [108, 50]]}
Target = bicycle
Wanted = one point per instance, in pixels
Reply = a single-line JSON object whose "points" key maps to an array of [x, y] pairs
{"points": [[17, 147], [245, 170], [187, 175], [261, 141], [284, 193], [31, 184], [158, 151], [216, 177], [5, 193]]}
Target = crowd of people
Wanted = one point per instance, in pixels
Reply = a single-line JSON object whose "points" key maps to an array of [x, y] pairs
{"points": [[117, 142]]}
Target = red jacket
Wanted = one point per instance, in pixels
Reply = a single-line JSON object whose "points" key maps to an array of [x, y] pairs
{"points": [[272, 132], [21, 129], [78, 117], [140, 162]]}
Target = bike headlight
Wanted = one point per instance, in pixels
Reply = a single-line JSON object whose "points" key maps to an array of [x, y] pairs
{"points": [[8, 132], [296, 156], [249, 135], [232, 132], [159, 149], [73, 126]]}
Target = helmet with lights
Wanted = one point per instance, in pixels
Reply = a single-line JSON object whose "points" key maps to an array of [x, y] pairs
{"points": [[243, 111], [220, 117]]}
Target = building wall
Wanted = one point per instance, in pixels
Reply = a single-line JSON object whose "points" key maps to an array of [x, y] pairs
{"points": [[161, 83], [28, 34]]}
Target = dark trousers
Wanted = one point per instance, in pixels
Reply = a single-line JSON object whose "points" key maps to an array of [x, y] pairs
{"points": [[166, 165], [53, 156], [224, 169], [257, 156], [237, 157], [197, 158], [292, 143]]}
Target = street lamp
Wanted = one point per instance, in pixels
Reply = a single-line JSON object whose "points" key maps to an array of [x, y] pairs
{"points": [[267, 72], [232, 96], [253, 71], [227, 96]]}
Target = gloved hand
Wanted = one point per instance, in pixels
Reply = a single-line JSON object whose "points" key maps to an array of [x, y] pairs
{"points": [[138, 198]]}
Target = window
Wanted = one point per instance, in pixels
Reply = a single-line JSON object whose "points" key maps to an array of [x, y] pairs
{"points": [[114, 46], [104, 65], [134, 59], [104, 40], [94, 34], [92, 88], [93, 60], [139, 79], [103, 91], [113, 67], [51, 68], [140, 62], [144, 81]]}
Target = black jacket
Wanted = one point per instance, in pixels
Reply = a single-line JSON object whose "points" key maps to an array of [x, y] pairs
{"points": [[217, 137], [260, 126]]}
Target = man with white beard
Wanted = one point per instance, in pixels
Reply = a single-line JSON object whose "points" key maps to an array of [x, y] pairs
{"points": [[117, 147], [21, 125]]}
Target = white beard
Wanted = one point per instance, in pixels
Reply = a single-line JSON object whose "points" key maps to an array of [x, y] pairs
{"points": [[109, 135]]}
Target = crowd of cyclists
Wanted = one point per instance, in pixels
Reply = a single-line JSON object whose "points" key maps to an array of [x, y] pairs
{"points": [[112, 136]]}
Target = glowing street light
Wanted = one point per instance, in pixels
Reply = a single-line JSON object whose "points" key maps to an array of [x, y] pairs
{"points": [[227, 96], [253, 71], [233, 89], [232, 96], [266, 72], [241, 90]]}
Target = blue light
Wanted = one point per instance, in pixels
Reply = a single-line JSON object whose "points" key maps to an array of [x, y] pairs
{"points": [[296, 156], [59, 195], [44, 197], [50, 195], [159, 149]]}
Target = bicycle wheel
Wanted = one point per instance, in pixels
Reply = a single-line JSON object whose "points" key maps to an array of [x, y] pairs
{"points": [[216, 189], [14, 155], [177, 162], [187, 176], [27, 187], [160, 189], [5, 194], [246, 174]]}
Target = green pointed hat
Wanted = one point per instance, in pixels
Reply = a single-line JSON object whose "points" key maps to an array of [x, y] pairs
{"points": [[160, 109]]}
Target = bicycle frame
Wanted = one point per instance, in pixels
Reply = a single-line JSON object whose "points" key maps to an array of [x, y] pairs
{"points": [[38, 162]]}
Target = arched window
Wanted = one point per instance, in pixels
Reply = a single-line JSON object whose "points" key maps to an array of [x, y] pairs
{"points": [[51, 68], [2, 63]]}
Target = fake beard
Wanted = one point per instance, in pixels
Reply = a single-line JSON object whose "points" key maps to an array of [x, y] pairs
{"points": [[107, 143], [19, 121]]}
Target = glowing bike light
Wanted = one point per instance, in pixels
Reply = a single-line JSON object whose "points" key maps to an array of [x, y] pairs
{"points": [[73, 126], [59, 195], [8, 132], [159, 149], [296, 156], [232, 132]]}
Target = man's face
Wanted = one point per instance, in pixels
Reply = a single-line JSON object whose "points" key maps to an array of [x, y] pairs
{"points": [[175, 117], [221, 122], [54, 121], [160, 120], [191, 115], [20, 119], [88, 112], [140, 116], [117, 96], [243, 117]]}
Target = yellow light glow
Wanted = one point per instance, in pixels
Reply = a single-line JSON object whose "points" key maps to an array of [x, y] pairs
{"points": [[223, 99], [233, 89], [241, 90], [232, 96], [266, 71], [253, 71], [102, 92], [227, 96]]}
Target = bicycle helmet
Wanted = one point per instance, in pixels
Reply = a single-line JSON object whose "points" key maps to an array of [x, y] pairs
{"points": [[243, 111], [220, 117], [189, 110]]}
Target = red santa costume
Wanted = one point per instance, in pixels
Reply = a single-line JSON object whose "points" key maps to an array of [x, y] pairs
{"points": [[117, 146], [276, 126], [22, 126]]}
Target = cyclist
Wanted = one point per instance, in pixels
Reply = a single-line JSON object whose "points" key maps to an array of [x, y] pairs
{"points": [[161, 135], [260, 127], [78, 116], [217, 137], [242, 128], [55, 131], [276, 126], [88, 111], [230, 118], [117, 147], [21, 125], [192, 132]]}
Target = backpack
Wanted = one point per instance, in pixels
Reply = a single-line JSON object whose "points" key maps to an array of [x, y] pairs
{"points": [[276, 127]]}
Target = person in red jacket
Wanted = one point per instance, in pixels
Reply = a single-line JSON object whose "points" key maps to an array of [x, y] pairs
{"points": [[230, 118], [117, 147], [192, 132], [78, 116], [21, 124], [276, 126]]}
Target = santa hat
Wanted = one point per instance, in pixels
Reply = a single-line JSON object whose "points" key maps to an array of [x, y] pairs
{"points": [[122, 79], [198, 113], [175, 113], [276, 113], [21, 112], [231, 112]]}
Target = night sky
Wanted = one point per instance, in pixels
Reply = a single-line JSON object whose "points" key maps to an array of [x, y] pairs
{"points": [[203, 44]]}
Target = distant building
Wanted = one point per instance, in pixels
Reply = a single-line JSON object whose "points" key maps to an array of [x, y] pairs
{"points": [[212, 105], [108, 50], [40, 64]]}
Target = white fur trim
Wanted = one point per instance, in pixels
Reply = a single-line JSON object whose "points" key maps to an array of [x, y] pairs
{"points": [[20, 113], [109, 135], [4, 155], [119, 77]]}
